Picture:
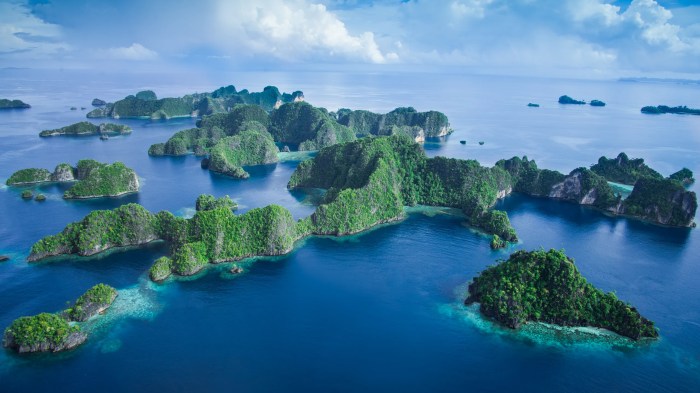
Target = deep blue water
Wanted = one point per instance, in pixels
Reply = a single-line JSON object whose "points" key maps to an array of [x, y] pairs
{"points": [[380, 311]]}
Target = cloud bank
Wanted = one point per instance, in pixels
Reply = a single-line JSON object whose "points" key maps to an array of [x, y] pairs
{"points": [[581, 36]]}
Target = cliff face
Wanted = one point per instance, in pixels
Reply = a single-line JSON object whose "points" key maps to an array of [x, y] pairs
{"points": [[663, 201], [71, 341], [585, 188]]}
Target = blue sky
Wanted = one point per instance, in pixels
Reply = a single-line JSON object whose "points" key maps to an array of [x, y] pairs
{"points": [[565, 37]]}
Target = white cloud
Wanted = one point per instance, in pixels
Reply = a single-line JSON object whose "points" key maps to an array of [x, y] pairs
{"points": [[23, 35], [652, 20], [294, 30], [136, 52]]}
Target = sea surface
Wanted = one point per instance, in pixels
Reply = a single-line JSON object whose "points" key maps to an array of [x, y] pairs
{"points": [[379, 311]]}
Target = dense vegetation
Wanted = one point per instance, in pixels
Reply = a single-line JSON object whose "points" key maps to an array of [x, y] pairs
{"points": [[93, 301], [664, 201], [103, 180], [47, 332], [162, 268], [546, 286], [405, 121], [624, 170], [654, 110], [310, 127], [146, 104], [248, 147], [42, 333], [370, 180], [210, 202], [685, 176], [29, 175], [13, 104], [568, 100], [95, 179], [87, 128]]}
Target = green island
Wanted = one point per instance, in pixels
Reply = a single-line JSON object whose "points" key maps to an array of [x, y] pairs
{"points": [[624, 170], [685, 176], [210, 202], [93, 302], [98, 102], [545, 286], [667, 203], [84, 128], [249, 147], [401, 121], [145, 104], [368, 182], [597, 103], [54, 332], [531, 105], [681, 110], [13, 104], [566, 100], [92, 179]]}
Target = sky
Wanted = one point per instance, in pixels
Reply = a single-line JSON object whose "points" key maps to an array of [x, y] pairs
{"points": [[584, 38]]}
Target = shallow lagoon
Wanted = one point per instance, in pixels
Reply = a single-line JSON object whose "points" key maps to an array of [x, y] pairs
{"points": [[377, 311]]}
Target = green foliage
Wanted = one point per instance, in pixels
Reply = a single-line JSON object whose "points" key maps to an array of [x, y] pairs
{"points": [[624, 170], [161, 269], [42, 328], [146, 95], [89, 303], [246, 148], [497, 223], [190, 258], [400, 120], [661, 200], [497, 242], [529, 179], [234, 121], [199, 140], [27, 194], [210, 202], [546, 286], [569, 100], [102, 180], [299, 122], [81, 128], [655, 110], [12, 104], [126, 225], [685, 176], [29, 175]]}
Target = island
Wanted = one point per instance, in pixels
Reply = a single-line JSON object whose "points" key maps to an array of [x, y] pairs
{"points": [[682, 110], [98, 102], [566, 100], [4, 258], [405, 121], [210, 202], [531, 105], [624, 170], [85, 128], [684, 176], [54, 332], [92, 179], [250, 147], [369, 182], [95, 301], [545, 286], [597, 103], [13, 104], [145, 104]]}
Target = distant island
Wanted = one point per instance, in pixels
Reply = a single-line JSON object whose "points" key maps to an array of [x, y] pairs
{"points": [[531, 105], [299, 124], [546, 286], [145, 104], [47, 332], [13, 104], [85, 128], [597, 103], [681, 110], [93, 179], [570, 101]]}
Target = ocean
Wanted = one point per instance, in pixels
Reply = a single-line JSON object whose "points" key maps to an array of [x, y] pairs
{"points": [[377, 311]]}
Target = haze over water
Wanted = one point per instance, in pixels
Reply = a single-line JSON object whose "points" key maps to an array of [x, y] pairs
{"points": [[380, 311]]}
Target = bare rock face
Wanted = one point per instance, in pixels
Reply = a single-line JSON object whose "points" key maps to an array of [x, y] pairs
{"points": [[63, 172], [71, 341], [569, 189]]}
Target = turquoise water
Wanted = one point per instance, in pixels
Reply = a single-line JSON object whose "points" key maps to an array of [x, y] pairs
{"points": [[380, 311]]}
